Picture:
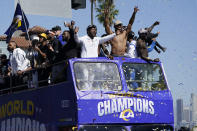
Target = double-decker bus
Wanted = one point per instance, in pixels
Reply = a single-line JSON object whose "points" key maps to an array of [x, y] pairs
{"points": [[93, 94]]}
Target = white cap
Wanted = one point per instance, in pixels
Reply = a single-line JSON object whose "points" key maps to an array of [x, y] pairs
{"points": [[34, 37], [142, 30]]}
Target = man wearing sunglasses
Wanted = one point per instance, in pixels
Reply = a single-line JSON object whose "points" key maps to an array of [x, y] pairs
{"points": [[118, 43]]}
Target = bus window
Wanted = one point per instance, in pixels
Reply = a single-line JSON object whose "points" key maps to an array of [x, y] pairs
{"points": [[144, 77], [97, 76]]}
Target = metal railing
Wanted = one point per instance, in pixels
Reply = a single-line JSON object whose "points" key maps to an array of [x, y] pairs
{"points": [[9, 84]]}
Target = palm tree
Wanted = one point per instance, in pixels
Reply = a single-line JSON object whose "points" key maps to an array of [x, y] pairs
{"points": [[103, 5], [92, 2]]}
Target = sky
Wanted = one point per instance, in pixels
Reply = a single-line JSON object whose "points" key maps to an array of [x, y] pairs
{"points": [[178, 33]]}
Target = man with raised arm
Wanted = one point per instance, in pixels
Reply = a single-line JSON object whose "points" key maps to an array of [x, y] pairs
{"points": [[89, 43], [118, 43], [141, 47], [142, 51], [150, 38]]}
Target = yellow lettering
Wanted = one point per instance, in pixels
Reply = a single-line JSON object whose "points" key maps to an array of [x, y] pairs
{"points": [[3, 111], [30, 108], [16, 107], [10, 108], [23, 111]]}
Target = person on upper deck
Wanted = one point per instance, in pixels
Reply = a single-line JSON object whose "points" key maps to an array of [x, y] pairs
{"points": [[118, 43], [131, 46], [4, 71], [57, 30], [4, 65], [150, 38], [104, 49], [18, 61], [71, 49], [19, 64], [44, 53], [142, 50], [56, 46], [89, 43]]}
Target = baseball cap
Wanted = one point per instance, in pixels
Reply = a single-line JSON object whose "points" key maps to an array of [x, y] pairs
{"points": [[117, 23], [91, 26], [43, 35], [142, 30]]}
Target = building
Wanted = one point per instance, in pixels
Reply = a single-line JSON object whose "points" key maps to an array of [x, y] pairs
{"points": [[20, 39], [3, 48], [179, 111], [186, 117], [186, 114], [193, 109]]}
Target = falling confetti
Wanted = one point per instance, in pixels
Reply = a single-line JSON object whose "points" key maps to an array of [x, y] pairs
{"points": [[180, 84], [195, 59]]}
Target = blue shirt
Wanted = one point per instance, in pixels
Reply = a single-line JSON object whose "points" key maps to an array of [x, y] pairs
{"points": [[60, 38]]}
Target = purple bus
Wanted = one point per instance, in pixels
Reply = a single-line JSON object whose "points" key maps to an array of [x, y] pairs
{"points": [[94, 94]]}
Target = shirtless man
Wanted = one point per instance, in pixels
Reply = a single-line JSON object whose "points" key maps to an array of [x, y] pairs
{"points": [[141, 47], [142, 51], [118, 43]]}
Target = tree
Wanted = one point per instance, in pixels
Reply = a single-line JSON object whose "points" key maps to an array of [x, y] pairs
{"points": [[109, 5]]}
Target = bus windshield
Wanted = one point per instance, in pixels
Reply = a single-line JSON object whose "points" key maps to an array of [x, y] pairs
{"points": [[144, 77], [97, 76]]}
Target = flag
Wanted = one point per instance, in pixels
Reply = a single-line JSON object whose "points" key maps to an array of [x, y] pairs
{"points": [[19, 22]]}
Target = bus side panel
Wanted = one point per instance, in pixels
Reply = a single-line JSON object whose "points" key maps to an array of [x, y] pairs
{"points": [[64, 105], [38, 109], [126, 110]]}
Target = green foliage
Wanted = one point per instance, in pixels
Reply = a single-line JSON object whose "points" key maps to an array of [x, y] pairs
{"points": [[106, 4]]}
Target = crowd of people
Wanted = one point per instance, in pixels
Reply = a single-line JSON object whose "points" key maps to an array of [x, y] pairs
{"points": [[54, 46]]}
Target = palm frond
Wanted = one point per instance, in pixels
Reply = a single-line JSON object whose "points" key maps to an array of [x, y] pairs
{"points": [[103, 4]]}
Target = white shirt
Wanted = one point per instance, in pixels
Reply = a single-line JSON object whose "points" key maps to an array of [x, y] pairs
{"points": [[90, 46], [18, 60], [131, 49]]}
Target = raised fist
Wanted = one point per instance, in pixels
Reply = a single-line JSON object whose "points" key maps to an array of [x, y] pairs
{"points": [[76, 30], [156, 23], [72, 22], [136, 9]]}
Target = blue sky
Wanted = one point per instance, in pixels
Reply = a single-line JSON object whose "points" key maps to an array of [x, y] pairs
{"points": [[178, 32]]}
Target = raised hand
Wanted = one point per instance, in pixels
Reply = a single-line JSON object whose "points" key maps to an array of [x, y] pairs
{"points": [[136, 9], [156, 23], [72, 22], [76, 30], [66, 24]]}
